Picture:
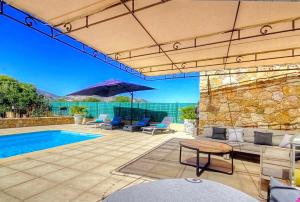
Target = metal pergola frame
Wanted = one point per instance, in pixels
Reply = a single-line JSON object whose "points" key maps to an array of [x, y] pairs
{"points": [[114, 59]]}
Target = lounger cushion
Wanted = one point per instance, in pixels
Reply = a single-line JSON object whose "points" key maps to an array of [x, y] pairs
{"points": [[263, 138], [161, 125], [98, 121]]}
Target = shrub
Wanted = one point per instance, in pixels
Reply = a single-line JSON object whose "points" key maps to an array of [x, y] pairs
{"points": [[188, 112], [78, 110]]}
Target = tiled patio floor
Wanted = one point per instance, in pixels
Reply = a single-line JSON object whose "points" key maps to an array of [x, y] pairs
{"points": [[85, 171]]}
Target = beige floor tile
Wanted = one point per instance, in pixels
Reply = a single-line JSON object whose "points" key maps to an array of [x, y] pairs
{"points": [[85, 165], [14, 179], [72, 152], [87, 197], [29, 188], [108, 186], [104, 158], [26, 164], [86, 155], [52, 158], [7, 198], [100, 151], [85, 181], [43, 169], [62, 175], [56, 194], [6, 171], [104, 170], [116, 153], [67, 161]]}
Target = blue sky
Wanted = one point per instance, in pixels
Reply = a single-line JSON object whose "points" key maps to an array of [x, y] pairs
{"points": [[51, 66]]}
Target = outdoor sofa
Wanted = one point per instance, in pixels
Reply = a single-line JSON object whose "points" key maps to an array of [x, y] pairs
{"points": [[248, 145], [274, 152]]}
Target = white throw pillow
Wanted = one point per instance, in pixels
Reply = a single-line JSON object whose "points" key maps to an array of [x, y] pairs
{"points": [[285, 142], [235, 135], [208, 131]]}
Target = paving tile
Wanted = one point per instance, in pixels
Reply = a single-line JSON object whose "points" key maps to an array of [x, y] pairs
{"points": [[72, 152], [52, 158], [105, 169], [56, 194], [43, 169], [7, 198], [109, 186], [85, 165], [62, 175], [6, 171], [104, 158], [29, 188], [67, 161], [85, 181], [26, 164], [87, 197], [14, 179], [86, 155]]}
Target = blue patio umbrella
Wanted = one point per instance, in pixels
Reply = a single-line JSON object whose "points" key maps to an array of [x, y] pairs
{"points": [[112, 87]]}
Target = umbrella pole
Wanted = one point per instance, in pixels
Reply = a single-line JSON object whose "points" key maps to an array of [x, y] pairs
{"points": [[131, 105]]}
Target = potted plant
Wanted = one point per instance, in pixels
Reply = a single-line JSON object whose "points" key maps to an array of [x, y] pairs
{"points": [[189, 116], [78, 112]]}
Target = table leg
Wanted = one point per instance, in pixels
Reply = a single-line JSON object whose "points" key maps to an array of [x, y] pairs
{"points": [[180, 150], [197, 165]]}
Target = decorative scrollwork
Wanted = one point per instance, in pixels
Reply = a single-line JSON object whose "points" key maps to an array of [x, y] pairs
{"points": [[239, 58], [68, 27], [29, 21], [264, 30], [176, 45], [117, 56], [183, 65]]}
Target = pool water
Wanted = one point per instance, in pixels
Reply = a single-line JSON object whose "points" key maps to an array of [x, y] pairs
{"points": [[16, 144]]}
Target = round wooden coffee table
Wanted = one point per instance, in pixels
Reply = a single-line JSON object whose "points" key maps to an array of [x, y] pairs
{"points": [[209, 148]]}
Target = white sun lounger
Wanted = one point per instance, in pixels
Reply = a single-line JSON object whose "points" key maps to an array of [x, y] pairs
{"points": [[102, 118], [161, 127]]}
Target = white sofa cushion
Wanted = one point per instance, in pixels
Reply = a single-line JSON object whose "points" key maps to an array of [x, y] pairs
{"points": [[208, 131], [235, 135], [285, 142]]}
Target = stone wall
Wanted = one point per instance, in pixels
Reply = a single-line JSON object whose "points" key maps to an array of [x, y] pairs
{"points": [[41, 121], [265, 100]]}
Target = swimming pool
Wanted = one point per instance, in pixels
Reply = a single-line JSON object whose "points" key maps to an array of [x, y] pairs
{"points": [[15, 144]]}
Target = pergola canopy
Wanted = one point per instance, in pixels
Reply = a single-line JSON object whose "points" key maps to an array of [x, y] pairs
{"points": [[161, 37]]}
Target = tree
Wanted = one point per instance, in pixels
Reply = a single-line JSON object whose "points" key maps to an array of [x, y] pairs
{"points": [[122, 99], [91, 99], [20, 97]]}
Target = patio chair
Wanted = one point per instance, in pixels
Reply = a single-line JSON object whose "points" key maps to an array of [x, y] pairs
{"points": [[161, 127], [115, 123], [102, 118], [137, 126]]}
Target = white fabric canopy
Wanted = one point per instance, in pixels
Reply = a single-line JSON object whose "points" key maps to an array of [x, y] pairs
{"points": [[159, 37]]}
